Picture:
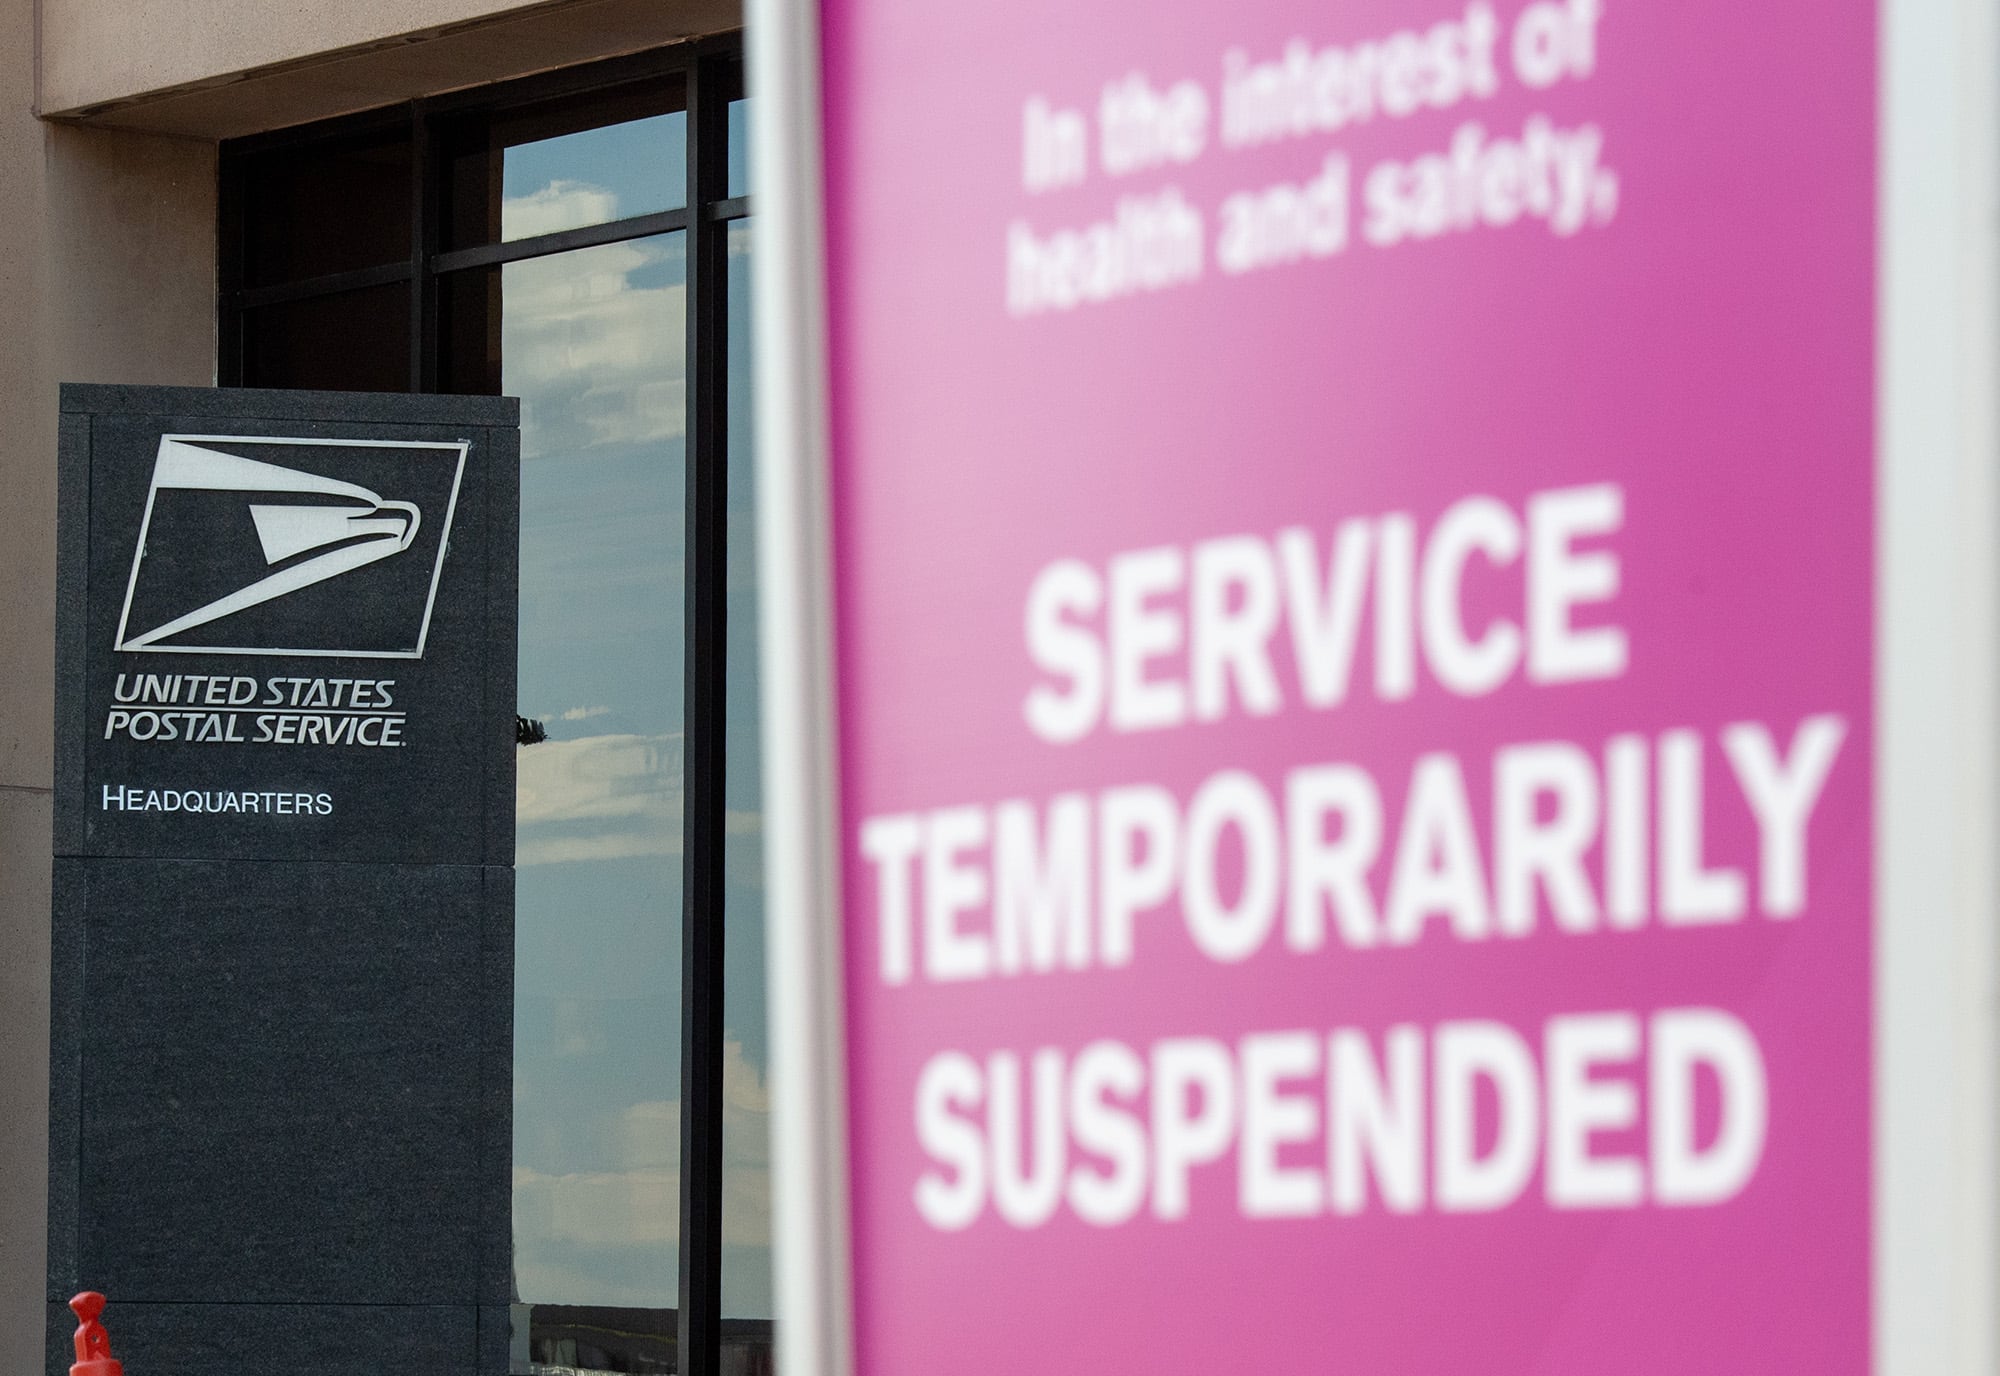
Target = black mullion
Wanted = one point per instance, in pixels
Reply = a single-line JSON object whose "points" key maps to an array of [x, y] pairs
{"points": [[562, 241], [229, 272], [700, 1317], [423, 247], [332, 284]]}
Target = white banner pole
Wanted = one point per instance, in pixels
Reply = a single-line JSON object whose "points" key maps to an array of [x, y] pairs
{"points": [[1938, 692], [808, 1127]]}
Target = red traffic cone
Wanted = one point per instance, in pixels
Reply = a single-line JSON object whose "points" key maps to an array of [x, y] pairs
{"points": [[93, 1344]]}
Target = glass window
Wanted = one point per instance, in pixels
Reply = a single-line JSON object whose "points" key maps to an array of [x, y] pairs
{"points": [[593, 177], [351, 341], [739, 147], [746, 1121], [346, 206], [541, 170], [593, 336], [592, 343], [468, 326]]}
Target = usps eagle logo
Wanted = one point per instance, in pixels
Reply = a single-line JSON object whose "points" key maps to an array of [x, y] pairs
{"points": [[253, 545]]}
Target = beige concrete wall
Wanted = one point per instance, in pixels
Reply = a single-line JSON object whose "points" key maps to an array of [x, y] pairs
{"points": [[24, 1071], [106, 274], [98, 51]]}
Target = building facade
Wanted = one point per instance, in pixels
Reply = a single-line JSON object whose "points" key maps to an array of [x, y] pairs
{"points": [[545, 200]]}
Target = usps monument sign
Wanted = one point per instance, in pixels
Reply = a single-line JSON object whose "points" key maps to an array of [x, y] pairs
{"points": [[281, 1032], [1353, 546]]}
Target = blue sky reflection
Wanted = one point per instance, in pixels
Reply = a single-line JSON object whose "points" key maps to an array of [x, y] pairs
{"points": [[593, 343]]}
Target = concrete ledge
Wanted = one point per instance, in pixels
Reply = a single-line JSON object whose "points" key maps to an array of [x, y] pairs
{"points": [[242, 66]]}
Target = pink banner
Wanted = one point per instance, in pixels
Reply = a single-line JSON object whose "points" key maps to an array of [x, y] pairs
{"points": [[1353, 532]]}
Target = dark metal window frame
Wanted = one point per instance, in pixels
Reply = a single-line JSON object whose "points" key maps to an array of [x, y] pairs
{"points": [[712, 72]]}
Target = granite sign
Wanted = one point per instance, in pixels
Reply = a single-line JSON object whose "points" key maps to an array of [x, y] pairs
{"points": [[283, 890]]}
